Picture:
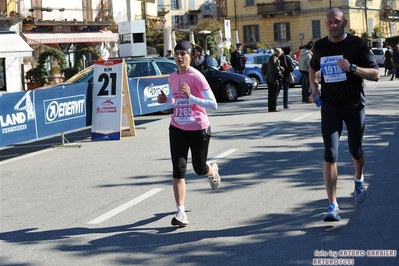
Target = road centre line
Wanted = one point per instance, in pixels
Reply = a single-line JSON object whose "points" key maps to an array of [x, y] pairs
{"points": [[272, 130], [146, 195], [220, 156], [125, 206], [303, 116]]}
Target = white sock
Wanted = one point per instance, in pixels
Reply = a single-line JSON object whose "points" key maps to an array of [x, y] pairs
{"points": [[361, 179], [181, 209]]}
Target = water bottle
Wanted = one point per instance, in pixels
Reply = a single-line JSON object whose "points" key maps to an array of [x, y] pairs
{"points": [[319, 101]]}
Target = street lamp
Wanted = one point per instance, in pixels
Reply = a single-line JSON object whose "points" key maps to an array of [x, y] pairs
{"points": [[205, 33]]}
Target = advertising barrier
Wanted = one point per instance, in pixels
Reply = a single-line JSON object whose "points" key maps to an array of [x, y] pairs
{"points": [[38, 113], [29, 115]]}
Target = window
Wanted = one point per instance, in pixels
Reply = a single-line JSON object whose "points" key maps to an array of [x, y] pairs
{"points": [[166, 68], [191, 5], [192, 20], [125, 38], [176, 4], [177, 21], [249, 2], [251, 33], [207, 5], [138, 37], [316, 32], [207, 16], [282, 31], [161, 6], [141, 69]]}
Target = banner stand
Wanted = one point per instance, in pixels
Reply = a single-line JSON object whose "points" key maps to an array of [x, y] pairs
{"points": [[62, 145], [127, 109]]}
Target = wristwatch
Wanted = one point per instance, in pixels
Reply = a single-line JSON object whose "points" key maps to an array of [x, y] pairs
{"points": [[353, 68]]}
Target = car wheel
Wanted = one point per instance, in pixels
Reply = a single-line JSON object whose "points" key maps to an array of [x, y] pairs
{"points": [[230, 92], [255, 80]]}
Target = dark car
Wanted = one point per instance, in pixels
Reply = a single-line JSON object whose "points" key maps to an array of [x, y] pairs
{"points": [[225, 85], [253, 67]]}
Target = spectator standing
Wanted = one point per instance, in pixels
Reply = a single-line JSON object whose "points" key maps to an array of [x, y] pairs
{"points": [[395, 61], [344, 61], [304, 61], [274, 74], [238, 60], [198, 61], [388, 64], [189, 127], [297, 53], [286, 63]]}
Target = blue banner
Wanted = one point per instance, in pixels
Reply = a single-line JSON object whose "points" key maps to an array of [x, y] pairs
{"points": [[144, 93], [29, 115], [17, 117], [61, 109]]}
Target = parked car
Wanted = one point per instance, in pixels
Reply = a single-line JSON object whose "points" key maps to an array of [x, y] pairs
{"points": [[253, 66], [225, 85], [146, 78], [379, 55]]}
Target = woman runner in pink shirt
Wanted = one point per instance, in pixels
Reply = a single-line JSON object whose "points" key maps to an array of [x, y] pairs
{"points": [[189, 126]]}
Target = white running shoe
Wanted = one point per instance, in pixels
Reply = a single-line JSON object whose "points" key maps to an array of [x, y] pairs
{"points": [[215, 180], [180, 219]]}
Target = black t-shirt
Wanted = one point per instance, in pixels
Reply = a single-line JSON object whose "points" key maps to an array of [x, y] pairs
{"points": [[340, 88]]}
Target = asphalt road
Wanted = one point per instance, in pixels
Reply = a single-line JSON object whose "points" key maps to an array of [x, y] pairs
{"points": [[111, 202]]}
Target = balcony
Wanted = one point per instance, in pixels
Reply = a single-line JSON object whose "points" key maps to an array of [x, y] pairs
{"points": [[163, 10], [74, 25], [184, 26], [194, 11], [271, 9]]}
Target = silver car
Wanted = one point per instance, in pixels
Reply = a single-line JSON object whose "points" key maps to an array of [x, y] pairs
{"points": [[379, 55]]}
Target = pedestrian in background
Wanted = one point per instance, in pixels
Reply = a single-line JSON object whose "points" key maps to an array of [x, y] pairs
{"points": [[198, 59], [189, 127], [395, 62], [286, 63], [274, 74], [388, 64], [297, 53], [304, 61], [344, 61], [238, 60]]}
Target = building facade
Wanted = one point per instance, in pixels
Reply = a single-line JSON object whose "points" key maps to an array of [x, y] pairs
{"points": [[277, 23], [12, 48]]}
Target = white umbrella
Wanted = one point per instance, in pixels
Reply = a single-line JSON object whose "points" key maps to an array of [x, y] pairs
{"points": [[167, 41], [220, 43], [237, 40], [173, 39], [192, 40]]}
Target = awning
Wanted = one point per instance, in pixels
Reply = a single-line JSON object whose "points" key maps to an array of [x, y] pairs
{"points": [[12, 45], [76, 37]]}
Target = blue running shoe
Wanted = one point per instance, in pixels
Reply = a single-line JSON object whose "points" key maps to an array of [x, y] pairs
{"points": [[333, 213], [360, 192]]}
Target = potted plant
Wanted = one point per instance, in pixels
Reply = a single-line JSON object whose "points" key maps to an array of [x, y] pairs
{"points": [[35, 77]]}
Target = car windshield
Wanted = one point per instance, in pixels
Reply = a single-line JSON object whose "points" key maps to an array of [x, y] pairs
{"points": [[81, 75], [166, 68]]}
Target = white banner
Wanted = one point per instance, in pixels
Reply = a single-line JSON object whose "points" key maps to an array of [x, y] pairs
{"points": [[227, 29], [107, 100]]}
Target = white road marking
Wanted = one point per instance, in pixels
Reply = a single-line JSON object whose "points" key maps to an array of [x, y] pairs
{"points": [[270, 131], [224, 154], [125, 206], [303, 116], [25, 156]]}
